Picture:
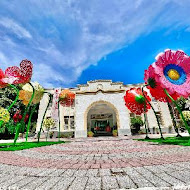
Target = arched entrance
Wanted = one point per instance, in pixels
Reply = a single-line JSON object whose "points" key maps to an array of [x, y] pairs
{"points": [[102, 118]]}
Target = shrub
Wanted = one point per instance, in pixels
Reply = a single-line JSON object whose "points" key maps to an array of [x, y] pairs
{"points": [[51, 134], [136, 123], [49, 123], [66, 134], [186, 115]]}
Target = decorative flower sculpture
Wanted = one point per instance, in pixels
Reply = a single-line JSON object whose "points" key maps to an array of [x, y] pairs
{"points": [[4, 115], [16, 75], [154, 86], [26, 93], [66, 97], [135, 101], [171, 71], [170, 74]]}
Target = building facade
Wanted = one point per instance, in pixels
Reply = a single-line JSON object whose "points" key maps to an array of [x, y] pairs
{"points": [[100, 103]]}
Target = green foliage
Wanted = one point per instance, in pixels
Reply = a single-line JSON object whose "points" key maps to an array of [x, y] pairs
{"points": [[25, 145], [114, 132], [186, 115], [90, 133], [48, 123], [184, 141], [7, 96], [136, 121], [10, 126], [66, 134], [51, 134], [181, 102]]}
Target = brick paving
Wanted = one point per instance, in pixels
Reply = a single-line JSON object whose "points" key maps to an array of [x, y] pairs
{"points": [[97, 163]]}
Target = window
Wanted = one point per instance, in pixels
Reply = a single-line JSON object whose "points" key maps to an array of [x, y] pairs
{"points": [[153, 99], [160, 118], [69, 123]]}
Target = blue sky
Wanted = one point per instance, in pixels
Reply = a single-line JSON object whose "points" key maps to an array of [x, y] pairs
{"points": [[72, 41]]}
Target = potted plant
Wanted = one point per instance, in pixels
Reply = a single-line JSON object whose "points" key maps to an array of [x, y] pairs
{"points": [[136, 123], [90, 134], [48, 123], [170, 129], [51, 134], [114, 132]]}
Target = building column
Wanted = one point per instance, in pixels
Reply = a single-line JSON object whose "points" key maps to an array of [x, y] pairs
{"points": [[43, 104]]}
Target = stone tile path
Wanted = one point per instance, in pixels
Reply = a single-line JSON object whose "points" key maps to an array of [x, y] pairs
{"points": [[97, 163]]}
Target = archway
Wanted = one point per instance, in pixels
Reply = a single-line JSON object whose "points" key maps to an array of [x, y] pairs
{"points": [[101, 118]]}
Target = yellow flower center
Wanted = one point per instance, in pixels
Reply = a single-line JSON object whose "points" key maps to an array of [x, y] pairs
{"points": [[173, 74]]}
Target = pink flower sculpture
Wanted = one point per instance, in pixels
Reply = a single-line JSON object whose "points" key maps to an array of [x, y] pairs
{"points": [[154, 87], [171, 71], [16, 75], [134, 100]]}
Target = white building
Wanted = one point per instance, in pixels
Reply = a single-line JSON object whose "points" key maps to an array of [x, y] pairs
{"points": [[101, 102]]}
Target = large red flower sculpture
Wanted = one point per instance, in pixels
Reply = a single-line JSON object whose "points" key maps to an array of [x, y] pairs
{"points": [[16, 75], [66, 97], [171, 71], [154, 86], [135, 101]]}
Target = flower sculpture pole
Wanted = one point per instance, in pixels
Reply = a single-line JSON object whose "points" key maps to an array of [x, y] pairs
{"points": [[136, 102], [26, 94], [145, 121], [59, 134], [13, 103], [173, 119], [179, 110], [41, 125], [24, 115], [157, 119], [29, 122], [169, 77]]}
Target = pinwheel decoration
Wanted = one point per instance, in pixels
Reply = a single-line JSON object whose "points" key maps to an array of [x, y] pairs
{"points": [[169, 77]]}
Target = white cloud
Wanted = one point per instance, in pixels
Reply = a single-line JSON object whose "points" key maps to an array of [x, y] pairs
{"points": [[10, 24], [62, 38]]}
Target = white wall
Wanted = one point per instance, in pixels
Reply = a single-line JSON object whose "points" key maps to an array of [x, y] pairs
{"points": [[84, 101]]}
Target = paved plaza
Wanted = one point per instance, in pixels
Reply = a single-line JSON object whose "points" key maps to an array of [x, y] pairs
{"points": [[97, 163]]}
